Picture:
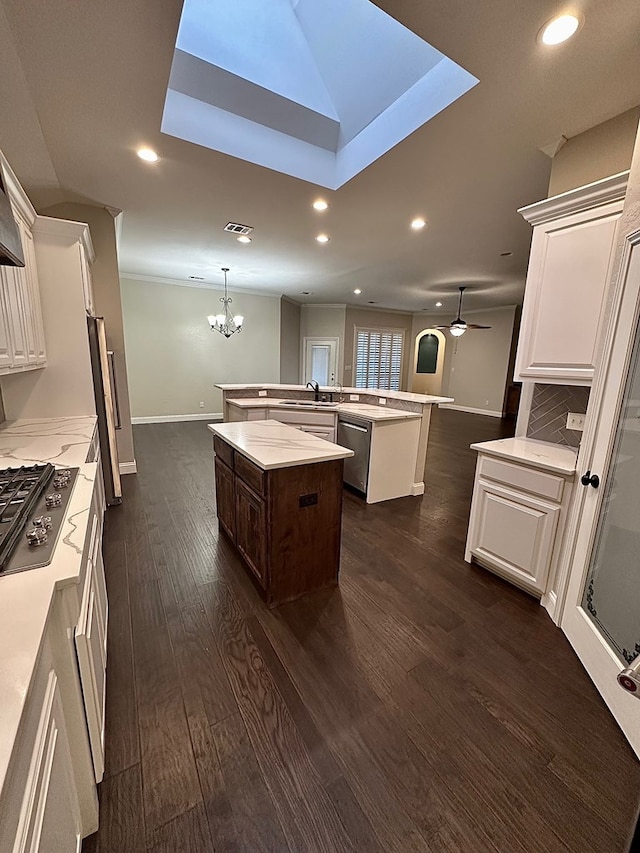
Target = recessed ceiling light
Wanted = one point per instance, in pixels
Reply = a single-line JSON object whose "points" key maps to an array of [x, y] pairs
{"points": [[320, 204], [418, 223], [559, 29], [438, 304], [357, 291], [148, 155], [243, 239], [506, 254], [322, 238]]}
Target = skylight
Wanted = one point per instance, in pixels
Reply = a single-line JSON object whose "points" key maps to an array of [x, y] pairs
{"points": [[317, 89]]}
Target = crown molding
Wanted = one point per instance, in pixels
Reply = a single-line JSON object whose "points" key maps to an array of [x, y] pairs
{"points": [[574, 201], [16, 193], [66, 229], [201, 285]]}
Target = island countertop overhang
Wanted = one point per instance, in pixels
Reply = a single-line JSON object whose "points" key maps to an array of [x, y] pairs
{"points": [[270, 444]]}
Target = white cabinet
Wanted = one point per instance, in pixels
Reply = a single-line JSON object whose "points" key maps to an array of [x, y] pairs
{"points": [[516, 517], [569, 269], [22, 343]]}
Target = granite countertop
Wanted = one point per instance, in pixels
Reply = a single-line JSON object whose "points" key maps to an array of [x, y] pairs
{"points": [[25, 597], [270, 444], [376, 392], [363, 410], [538, 454]]}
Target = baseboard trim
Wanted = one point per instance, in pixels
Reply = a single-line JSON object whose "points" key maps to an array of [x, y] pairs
{"points": [[417, 489], [471, 411], [174, 419], [128, 467]]}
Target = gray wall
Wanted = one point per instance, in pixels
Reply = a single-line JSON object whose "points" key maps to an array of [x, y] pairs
{"points": [[476, 364], [175, 359], [603, 150], [325, 321], [107, 301], [289, 341]]}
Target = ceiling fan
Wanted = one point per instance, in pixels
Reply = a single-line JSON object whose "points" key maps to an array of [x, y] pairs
{"points": [[458, 326]]}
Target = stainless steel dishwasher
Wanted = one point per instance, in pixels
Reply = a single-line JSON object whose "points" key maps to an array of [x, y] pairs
{"points": [[355, 434]]}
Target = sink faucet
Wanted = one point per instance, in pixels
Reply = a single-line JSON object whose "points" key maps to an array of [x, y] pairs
{"points": [[316, 389]]}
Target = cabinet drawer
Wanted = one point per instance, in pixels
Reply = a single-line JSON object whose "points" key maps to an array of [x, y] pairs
{"points": [[251, 474], [528, 479], [309, 418], [224, 451]]}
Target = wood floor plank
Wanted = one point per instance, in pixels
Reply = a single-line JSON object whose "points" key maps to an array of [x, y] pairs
{"points": [[121, 816], [188, 831]]}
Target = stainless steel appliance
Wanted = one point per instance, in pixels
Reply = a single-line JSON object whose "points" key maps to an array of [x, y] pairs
{"points": [[107, 409], [33, 503], [355, 434]]}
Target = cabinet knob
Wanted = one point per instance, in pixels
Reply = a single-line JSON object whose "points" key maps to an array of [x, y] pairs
{"points": [[590, 479]]}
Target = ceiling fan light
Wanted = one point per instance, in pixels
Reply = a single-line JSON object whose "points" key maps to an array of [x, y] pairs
{"points": [[458, 329]]}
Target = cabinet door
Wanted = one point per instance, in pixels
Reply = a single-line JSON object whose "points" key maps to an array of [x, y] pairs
{"points": [[5, 340], [251, 530], [87, 284], [50, 815], [328, 433], [513, 533], [91, 648], [34, 324], [564, 296], [13, 286], [226, 497]]}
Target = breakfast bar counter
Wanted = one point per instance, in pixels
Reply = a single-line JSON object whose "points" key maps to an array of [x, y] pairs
{"points": [[279, 499]]}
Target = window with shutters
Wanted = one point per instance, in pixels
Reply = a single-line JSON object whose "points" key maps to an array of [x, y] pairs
{"points": [[378, 358]]}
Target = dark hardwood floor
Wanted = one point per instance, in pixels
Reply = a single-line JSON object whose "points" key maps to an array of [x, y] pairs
{"points": [[426, 705]]}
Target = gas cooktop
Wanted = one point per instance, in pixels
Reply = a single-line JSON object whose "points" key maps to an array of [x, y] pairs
{"points": [[31, 514]]}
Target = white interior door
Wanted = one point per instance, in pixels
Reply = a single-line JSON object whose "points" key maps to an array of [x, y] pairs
{"points": [[320, 360], [601, 615]]}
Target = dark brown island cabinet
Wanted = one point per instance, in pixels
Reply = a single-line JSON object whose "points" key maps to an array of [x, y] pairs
{"points": [[279, 500]]}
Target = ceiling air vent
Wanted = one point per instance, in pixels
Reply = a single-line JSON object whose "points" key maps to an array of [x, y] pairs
{"points": [[196, 277], [236, 228]]}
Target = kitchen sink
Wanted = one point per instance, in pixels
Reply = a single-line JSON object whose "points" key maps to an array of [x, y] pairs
{"points": [[308, 403]]}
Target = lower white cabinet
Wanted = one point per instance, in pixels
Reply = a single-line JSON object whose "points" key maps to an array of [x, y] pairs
{"points": [[516, 517]]}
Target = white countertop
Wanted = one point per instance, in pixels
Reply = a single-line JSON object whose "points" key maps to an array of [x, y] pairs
{"points": [[271, 444], [25, 597], [363, 410], [61, 441], [538, 454], [328, 389]]}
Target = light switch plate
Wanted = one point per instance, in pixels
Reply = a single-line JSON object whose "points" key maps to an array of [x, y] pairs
{"points": [[575, 421], [382, 401], [354, 396], [262, 393]]}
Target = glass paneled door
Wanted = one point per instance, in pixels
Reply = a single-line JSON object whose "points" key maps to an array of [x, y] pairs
{"points": [[601, 616], [320, 360]]}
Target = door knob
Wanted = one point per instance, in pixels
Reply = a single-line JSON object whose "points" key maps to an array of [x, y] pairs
{"points": [[590, 479]]}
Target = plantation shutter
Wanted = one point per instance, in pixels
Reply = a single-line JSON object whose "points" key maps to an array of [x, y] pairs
{"points": [[378, 358]]}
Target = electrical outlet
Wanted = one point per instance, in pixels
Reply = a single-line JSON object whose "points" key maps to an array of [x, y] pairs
{"points": [[354, 397], [262, 393], [382, 401], [575, 421], [201, 404]]}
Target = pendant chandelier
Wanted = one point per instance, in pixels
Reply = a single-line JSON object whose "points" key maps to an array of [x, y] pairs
{"points": [[226, 323]]}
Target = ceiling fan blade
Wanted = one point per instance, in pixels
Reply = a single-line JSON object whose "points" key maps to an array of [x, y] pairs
{"points": [[476, 326]]}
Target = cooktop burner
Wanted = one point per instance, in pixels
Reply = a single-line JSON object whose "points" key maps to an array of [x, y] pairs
{"points": [[27, 504]]}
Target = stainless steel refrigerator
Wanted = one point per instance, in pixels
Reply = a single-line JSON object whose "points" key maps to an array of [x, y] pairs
{"points": [[106, 394]]}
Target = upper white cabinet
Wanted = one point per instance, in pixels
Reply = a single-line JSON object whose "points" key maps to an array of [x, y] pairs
{"points": [[22, 342], [569, 268]]}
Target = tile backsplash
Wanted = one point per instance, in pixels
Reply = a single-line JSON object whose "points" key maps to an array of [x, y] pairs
{"points": [[549, 409]]}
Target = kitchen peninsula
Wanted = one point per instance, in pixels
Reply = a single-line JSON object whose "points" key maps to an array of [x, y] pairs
{"points": [[398, 423], [279, 499]]}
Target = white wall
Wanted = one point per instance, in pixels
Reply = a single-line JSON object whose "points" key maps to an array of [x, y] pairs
{"points": [[476, 364], [173, 357], [289, 341]]}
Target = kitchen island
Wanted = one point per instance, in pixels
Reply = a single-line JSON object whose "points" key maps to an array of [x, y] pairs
{"points": [[279, 499]]}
